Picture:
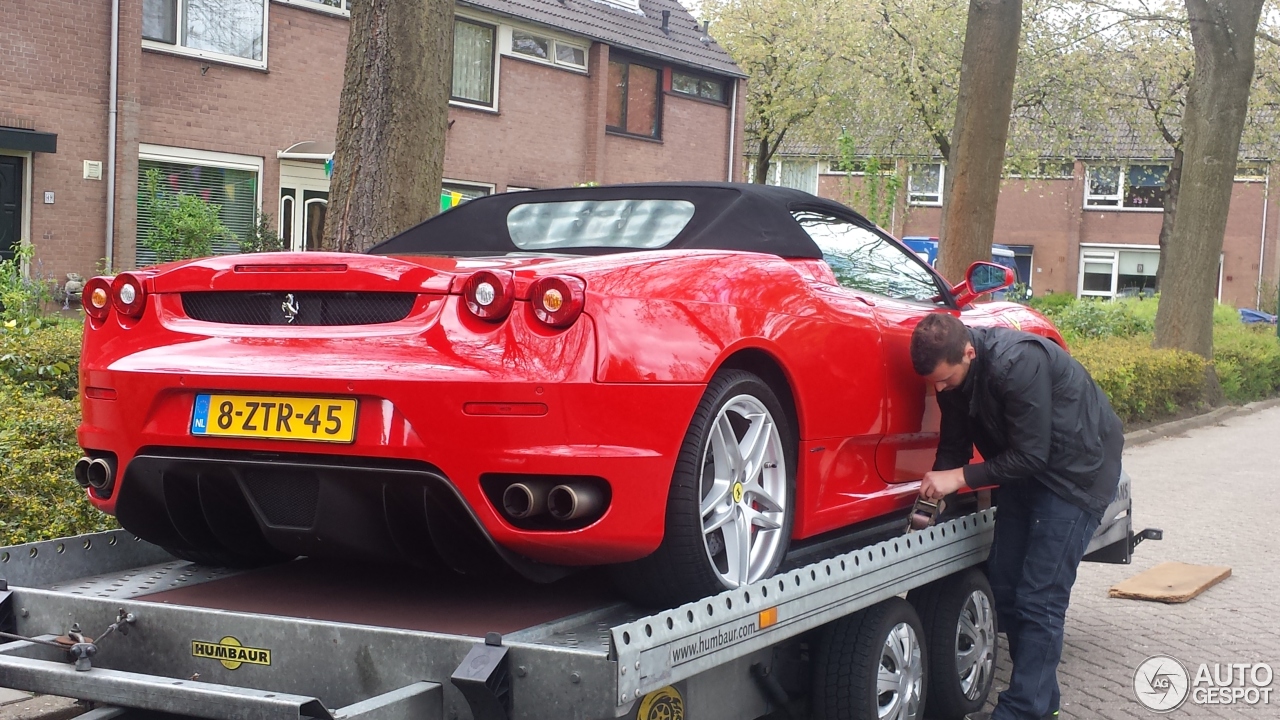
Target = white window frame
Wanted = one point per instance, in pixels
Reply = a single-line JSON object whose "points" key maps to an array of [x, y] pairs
{"points": [[506, 47], [774, 173], [1039, 172], [1115, 250], [942, 184], [178, 49], [24, 231], [491, 187], [831, 167], [1121, 186], [188, 156], [497, 62], [513, 188], [344, 11]]}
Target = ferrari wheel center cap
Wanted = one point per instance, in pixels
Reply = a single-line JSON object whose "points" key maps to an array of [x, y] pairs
{"points": [[737, 492]]}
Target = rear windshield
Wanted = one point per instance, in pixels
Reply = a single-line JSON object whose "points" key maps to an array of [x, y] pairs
{"points": [[628, 224]]}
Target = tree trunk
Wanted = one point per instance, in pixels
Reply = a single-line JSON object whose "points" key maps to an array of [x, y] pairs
{"points": [[1172, 184], [1222, 34], [761, 174], [392, 120], [983, 105]]}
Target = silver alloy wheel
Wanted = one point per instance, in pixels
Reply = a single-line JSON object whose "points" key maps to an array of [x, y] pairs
{"points": [[975, 644], [900, 681], [744, 492]]}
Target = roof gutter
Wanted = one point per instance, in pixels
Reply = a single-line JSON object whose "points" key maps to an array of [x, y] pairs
{"points": [[112, 84]]}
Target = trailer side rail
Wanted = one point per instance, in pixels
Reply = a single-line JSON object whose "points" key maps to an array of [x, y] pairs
{"points": [[658, 650]]}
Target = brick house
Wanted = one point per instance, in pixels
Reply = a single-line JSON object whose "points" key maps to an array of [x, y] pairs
{"points": [[1088, 226], [237, 101]]}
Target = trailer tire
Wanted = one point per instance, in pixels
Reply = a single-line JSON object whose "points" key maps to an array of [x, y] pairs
{"points": [[686, 565], [851, 654], [958, 614]]}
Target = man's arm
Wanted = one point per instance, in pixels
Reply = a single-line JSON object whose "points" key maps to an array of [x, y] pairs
{"points": [[955, 445], [1027, 395]]}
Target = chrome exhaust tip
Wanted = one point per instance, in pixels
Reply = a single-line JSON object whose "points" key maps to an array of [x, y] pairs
{"points": [[101, 474], [521, 501], [571, 502], [82, 471]]}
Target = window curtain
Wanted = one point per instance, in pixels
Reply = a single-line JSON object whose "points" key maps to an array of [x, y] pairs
{"points": [[234, 191], [231, 27], [472, 62]]}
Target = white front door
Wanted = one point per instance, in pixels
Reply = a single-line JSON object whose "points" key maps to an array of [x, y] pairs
{"points": [[304, 201]]}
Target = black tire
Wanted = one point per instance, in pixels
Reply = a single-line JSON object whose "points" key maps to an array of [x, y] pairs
{"points": [[850, 655], [940, 605], [223, 558], [681, 569]]}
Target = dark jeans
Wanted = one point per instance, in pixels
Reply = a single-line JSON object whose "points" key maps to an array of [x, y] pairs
{"points": [[1039, 540]]}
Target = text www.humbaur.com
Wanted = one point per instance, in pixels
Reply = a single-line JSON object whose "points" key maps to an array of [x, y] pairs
{"points": [[711, 641]]}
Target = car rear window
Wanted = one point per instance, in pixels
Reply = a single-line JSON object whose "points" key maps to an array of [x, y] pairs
{"points": [[632, 224]]}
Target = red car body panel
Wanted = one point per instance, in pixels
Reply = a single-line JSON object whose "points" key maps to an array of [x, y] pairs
{"points": [[619, 386]]}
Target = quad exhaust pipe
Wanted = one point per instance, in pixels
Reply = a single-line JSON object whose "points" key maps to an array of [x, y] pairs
{"points": [[96, 473], [574, 501], [522, 501], [564, 503]]}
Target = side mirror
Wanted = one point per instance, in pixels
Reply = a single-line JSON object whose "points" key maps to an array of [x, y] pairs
{"points": [[980, 278]]}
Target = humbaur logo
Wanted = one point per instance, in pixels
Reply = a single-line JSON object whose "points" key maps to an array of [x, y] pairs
{"points": [[1161, 683], [230, 652]]}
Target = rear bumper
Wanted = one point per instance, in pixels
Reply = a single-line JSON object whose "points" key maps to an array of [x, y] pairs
{"points": [[411, 392]]}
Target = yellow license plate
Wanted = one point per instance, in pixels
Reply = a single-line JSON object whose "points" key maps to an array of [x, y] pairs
{"points": [[278, 418]]}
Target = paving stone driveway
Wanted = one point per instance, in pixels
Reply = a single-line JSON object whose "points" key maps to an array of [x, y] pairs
{"points": [[1215, 491]]}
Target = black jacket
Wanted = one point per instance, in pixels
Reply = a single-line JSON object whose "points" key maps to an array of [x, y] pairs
{"points": [[1034, 413]]}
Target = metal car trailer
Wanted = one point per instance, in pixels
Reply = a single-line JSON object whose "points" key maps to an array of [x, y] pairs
{"points": [[114, 621]]}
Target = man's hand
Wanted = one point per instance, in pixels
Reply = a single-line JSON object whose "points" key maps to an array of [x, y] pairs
{"points": [[938, 484]]}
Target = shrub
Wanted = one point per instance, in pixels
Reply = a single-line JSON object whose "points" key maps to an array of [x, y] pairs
{"points": [[42, 356], [1052, 303], [182, 225], [1086, 319], [1143, 383], [39, 499], [1247, 360], [22, 296]]}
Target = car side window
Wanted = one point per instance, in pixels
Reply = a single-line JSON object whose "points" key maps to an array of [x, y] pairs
{"points": [[865, 260]]}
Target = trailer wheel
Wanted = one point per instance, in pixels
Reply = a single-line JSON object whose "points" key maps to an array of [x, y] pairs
{"points": [[959, 619], [732, 498], [871, 664]]}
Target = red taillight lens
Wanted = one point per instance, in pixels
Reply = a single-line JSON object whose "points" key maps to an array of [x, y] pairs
{"points": [[128, 295], [489, 294], [96, 298], [557, 300]]}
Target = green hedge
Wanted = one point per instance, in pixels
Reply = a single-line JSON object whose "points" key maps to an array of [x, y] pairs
{"points": [[1142, 383], [39, 412]]}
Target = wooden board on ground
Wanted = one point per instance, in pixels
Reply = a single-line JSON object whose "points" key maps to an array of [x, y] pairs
{"points": [[1170, 582]]}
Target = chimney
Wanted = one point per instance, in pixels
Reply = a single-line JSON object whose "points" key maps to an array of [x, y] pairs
{"points": [[706, 37], [666, 19]]}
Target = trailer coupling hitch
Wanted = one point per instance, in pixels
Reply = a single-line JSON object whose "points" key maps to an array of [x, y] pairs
{"points": [[81, 649]]}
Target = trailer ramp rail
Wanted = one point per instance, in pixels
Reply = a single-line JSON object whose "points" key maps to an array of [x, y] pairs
{"points": [[656, 651]]}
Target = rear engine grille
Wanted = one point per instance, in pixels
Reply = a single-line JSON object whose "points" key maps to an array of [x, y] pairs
{"points": [[286, 498], [300, 308]]}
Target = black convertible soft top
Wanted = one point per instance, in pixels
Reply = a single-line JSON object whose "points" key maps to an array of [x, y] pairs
{"points": [[727, 216]]}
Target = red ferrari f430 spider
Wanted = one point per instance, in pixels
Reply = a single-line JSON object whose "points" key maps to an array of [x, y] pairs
{"points": [[681, 381]]}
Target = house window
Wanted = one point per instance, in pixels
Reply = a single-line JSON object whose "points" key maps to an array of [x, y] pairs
{"points": [[795, 174], [633, 103], [337, 7], [455, 192], [924, 183], [223, 29], [1111, 273], [1126, 186], [548, 50], [231, 184], [1042, 170], [473, 62], [698, 86]]}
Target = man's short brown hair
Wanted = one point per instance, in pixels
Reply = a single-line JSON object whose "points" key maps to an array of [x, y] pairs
{"points": [[939, 337]]}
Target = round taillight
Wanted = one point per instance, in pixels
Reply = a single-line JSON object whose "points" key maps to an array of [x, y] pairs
{"points": [[489, 294], [557, 300], [96, 298], [129, 296]]}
